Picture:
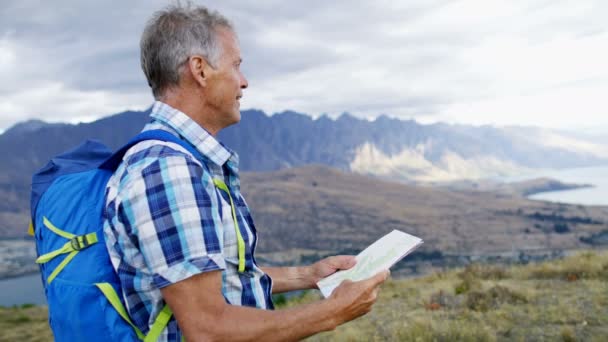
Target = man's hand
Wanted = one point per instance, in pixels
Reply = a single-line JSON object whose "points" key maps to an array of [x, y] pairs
{"points": [[355, 299], [328, 266], [306, 277]]}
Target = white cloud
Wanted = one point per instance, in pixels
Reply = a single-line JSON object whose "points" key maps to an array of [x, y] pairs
{"points": [[54, 102], [7, 56], [471, 61], [567, 107]]}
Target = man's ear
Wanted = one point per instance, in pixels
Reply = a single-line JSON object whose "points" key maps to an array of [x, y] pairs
{"points": [[199, 69]]}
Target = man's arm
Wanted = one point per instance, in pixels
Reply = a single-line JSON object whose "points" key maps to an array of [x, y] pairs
{"points": [[286, 279], [203, 315]]}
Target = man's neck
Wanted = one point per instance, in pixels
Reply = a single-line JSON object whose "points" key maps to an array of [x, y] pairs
{"points": [[193, 109]]}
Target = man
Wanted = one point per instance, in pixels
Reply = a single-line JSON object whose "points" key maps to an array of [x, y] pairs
{"points": [[169, 225]]}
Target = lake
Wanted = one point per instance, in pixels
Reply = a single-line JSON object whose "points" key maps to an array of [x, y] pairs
{"points": [[22, 290], [597, 195]]}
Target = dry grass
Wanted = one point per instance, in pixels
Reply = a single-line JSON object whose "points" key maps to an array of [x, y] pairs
{"points": [[563, 300], [491, 303], [27, 323], [586, 265]]}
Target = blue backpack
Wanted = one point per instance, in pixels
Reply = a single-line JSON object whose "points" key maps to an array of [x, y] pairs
{"points": [[83, 292]]}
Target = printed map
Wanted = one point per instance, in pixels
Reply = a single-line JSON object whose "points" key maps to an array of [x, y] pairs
{"points": [[380, 255]]}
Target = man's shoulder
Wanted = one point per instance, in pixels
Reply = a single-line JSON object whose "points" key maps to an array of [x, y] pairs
{"points": [[152, 150], [152, 154]]}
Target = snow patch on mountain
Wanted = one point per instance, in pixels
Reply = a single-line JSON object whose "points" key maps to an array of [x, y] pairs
{"points": [[412, 164]]}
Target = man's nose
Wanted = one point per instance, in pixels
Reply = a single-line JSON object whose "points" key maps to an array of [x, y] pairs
{"points": [[244, 82]]}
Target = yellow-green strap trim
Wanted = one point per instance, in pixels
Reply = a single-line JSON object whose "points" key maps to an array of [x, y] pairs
{"points": [[30, 229], [67, 248], [56, 230], [239, 238], [61, 266], [109, 292], [75, 244], [159, 324]]}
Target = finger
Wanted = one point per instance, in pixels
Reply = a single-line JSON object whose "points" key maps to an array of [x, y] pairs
{"points": [[379, 278], [343, 262], [345, 282], [375, 293]]}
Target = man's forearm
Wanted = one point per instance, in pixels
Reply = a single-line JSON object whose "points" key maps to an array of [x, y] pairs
{"points": [[286, 279], [203, 314], [237, 323]]}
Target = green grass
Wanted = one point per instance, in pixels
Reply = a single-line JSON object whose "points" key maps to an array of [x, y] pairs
{"points": [[561, 300]]}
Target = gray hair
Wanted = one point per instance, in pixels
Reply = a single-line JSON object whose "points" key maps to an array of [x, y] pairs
{"points": [[174, 34]]}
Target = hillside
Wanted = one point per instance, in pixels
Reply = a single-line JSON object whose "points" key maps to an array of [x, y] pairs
{"points": [[335, 211], [564, 300], [304, 213]]}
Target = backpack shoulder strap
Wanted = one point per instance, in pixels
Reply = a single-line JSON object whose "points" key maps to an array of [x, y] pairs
{"points": [[156, 134]]}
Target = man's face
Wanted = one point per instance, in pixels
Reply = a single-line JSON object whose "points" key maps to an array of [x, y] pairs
{"points": [[226, 82]]}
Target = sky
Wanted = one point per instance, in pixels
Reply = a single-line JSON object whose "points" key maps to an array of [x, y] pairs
{"points": [[533, 62]]}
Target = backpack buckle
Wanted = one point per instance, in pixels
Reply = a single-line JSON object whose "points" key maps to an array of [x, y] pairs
{"points": [[80, 242]]}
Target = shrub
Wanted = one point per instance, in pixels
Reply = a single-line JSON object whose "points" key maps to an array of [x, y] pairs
{"points": [[568, 334], [485, 272], [279, 300], [467, 284], [439, 300], [561, 228], [493, 298], [19, 319], [581, 266], [445, 331], [472, 274]]}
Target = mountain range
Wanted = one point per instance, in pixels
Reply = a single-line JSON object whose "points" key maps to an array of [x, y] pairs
{"points": [[400, 149], [404, 151]]}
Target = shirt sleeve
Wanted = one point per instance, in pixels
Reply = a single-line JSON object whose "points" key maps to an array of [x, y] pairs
{"points": [[170, 211]]}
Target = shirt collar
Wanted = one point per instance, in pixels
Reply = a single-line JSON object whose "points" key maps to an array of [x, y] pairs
{"points": [[193, 132]]}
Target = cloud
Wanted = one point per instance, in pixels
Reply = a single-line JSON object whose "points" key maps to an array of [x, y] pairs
{"points": [[470, 61], [54, 102]]}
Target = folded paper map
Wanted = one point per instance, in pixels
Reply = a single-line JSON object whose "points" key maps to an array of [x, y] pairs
{"points": [[379, 256]]}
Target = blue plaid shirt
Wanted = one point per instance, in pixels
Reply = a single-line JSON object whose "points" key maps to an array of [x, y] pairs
{"points": [[165, 221]]}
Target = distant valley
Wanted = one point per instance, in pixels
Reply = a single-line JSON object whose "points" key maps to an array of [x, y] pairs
{"points": [[336, 211]]}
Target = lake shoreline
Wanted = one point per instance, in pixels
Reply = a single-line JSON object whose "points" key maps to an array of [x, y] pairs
{"points": [[18, 275], [595, 194], [563, 187]]}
